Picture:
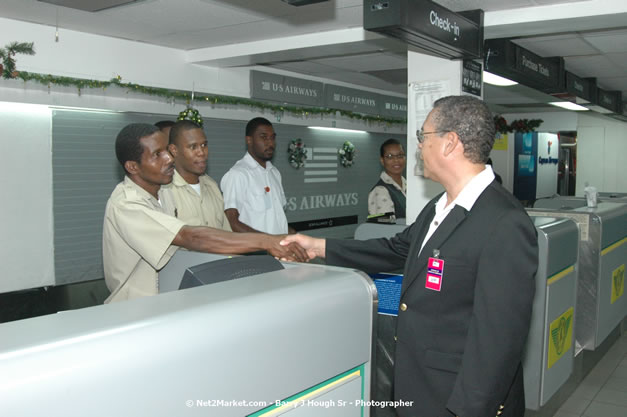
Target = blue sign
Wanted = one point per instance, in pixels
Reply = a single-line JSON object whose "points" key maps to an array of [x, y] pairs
{"points": [[389, 292]]}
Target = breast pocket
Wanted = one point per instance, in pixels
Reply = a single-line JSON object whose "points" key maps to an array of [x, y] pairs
{"points": [[260, 201]]}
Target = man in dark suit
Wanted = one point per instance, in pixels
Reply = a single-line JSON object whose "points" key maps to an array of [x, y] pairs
{"points": [[469, 261]]}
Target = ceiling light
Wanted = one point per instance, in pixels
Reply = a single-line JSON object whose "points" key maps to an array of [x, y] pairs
{"points": [[599, 109], [494, 79], [569, 106], [337, 129]]}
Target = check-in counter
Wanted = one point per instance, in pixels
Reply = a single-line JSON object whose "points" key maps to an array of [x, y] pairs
{"points": [[375, 230], [601, 303], [558, 202], [549, 352], [296, 341]]}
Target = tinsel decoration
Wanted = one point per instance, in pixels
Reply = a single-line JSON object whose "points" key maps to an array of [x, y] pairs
{"points": [[347, 154], [297, 153], [7, 68], [192, 115], [520, 125]]}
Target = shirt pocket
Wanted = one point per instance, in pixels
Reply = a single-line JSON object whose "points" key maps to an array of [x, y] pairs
{"points": [[260, 201]]}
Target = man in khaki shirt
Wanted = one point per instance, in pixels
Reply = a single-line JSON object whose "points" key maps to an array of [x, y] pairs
{"points": [[193, 196], [139, 237]]}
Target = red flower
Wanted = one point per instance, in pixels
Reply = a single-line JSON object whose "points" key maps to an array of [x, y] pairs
{"points": [[267, 189]]}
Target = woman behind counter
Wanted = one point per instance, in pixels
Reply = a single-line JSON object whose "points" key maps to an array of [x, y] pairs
{"points": [[389, 194]]}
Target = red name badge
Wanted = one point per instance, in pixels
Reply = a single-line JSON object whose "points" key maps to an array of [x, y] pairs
{"points": [[435, 270]]}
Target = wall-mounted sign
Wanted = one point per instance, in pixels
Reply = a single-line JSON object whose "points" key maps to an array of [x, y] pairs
{"points": [[472, 76], [428, 26], [284, 89], [350, 99], [505, 58], [611, 100], [393, 106]]}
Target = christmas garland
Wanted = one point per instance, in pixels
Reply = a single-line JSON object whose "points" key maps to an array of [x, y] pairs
{"points": [[347, 154], [297, 153], [520, 125], [7, 68], [278, 110]]}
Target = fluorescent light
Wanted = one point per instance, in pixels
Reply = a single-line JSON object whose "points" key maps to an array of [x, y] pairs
{"points": [[494, 79], [337, 129], [569, 105], [599, 109]]}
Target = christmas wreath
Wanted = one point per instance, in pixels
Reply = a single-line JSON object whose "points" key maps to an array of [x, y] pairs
{"points": [[297, 153], [192, 115], [347, 154]]}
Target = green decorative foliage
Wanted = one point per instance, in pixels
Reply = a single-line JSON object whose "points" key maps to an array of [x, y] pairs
{"points": [[276, 109], [192, 115], [297, 153], [347, 154], [7, 68]]}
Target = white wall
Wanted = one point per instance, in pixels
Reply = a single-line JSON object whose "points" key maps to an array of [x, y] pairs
{"points": [[601, 153], [26, 250], [94, 57]]}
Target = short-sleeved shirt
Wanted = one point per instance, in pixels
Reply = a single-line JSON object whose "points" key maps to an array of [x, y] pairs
{"points": [[379, 199], [136, 242], [257, 194], [204, 209]]}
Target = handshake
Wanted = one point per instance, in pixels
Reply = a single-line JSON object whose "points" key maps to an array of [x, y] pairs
{"points": [[296, 248]]}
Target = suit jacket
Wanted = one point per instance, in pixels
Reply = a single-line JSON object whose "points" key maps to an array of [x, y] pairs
{"points": [[459, 349]]}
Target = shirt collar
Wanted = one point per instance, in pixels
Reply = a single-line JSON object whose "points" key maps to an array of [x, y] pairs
{"points": [[178, 180], [471, 192], [139, 190], [251, 162], [385, 177]]}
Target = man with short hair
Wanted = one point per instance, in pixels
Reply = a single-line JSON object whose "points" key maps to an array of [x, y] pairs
{"points": [[469, 264], [139, 237], [193, 196], [165, 126], [254, 199], [389, 194]]}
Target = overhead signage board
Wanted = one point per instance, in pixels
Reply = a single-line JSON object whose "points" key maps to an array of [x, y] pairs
{"points": [[428, 26], [580, 87], [611, 100], [393, 107], [505, 58], [284, 89], [344, 98], [472, 77]]}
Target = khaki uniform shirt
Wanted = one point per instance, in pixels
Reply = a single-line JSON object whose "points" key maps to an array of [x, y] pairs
{"points": [[136, 242], [206, 209]]}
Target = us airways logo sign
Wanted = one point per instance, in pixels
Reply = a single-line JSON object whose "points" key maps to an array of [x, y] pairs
{"points": [[561, 336]]}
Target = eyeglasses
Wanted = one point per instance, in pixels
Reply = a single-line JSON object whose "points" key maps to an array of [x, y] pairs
{"points": [[391, 156], [421, 135]]}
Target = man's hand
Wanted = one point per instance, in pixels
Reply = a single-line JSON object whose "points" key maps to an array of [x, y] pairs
{"points": [[315, 247], [287, 252]]}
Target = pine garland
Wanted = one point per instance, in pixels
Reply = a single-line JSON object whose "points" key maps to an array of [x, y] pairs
{"points": [[7, 68], [279, 110], [519, 125]]}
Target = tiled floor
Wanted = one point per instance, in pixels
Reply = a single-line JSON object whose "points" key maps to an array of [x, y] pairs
{"points": [[603, 393]]}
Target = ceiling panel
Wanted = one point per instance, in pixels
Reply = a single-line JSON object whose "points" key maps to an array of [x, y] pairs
{"points": [[608, 42], [567, 45], [593, 66], [366, 62]]}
